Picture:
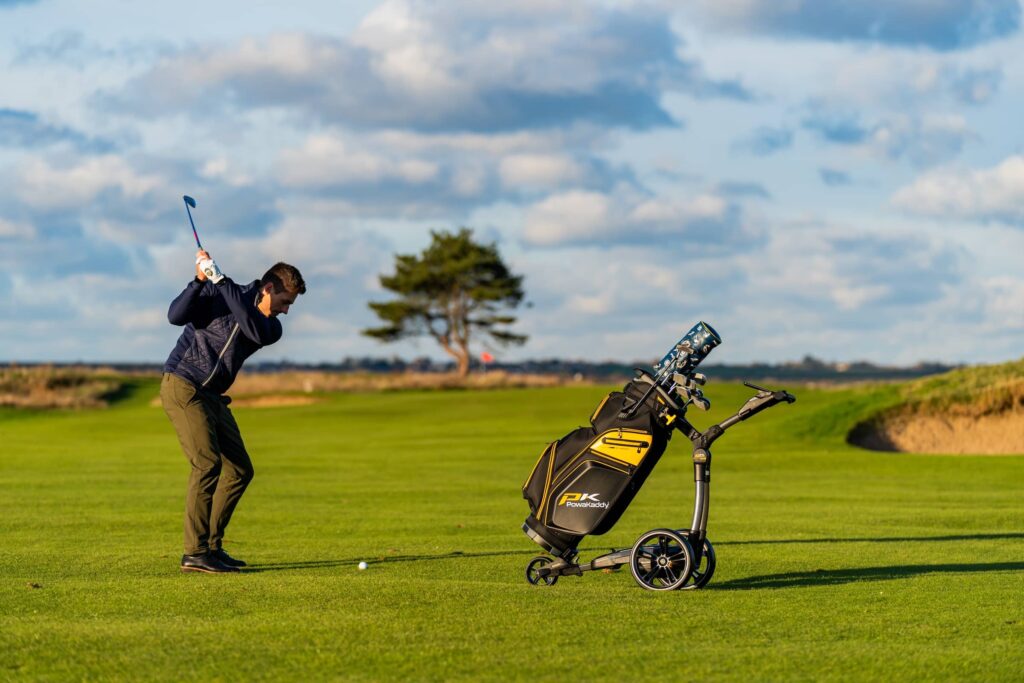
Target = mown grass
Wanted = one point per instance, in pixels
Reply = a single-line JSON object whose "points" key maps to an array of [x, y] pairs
{"points": [[834, 563]]}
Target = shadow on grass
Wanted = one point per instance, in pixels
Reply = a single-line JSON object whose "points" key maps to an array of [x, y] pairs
{"points": [[387, 559], [876, 539], [131, 391], [829, 577], [817, 577]]}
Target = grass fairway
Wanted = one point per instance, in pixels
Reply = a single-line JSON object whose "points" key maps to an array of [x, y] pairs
{"points": [[833, 563]]}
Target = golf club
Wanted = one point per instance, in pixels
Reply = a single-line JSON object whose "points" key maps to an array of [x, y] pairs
{"points": [[191, 202]]}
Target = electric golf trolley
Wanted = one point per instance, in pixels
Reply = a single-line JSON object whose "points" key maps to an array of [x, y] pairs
{"points": [[583, 482]]}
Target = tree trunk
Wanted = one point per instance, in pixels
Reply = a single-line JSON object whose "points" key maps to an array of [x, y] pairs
{"points": [[461, 356], [459, 327], [463, 365]]}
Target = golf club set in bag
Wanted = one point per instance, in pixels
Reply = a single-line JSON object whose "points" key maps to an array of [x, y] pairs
{"points": [[583, 482]]}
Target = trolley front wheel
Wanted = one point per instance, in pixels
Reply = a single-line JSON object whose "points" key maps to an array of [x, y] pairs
{"points": [[533, 575]]}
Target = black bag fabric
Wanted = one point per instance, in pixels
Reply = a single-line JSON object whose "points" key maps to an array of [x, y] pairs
{"points": [[583, 482]]}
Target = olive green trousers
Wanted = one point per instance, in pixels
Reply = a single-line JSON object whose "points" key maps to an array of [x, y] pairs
{"points": [[221, 468]]}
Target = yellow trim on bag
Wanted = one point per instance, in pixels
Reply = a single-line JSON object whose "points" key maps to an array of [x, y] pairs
{"points": [[594, 416], [547, 483], [541, 457], [625, 445]]}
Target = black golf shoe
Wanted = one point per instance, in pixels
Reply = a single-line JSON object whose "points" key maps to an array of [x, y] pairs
{"points": [[205, 563], [222, 556]]}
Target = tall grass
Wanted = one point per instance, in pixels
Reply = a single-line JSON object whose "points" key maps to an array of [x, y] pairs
{"points": [[50, 387], [968, 392]]}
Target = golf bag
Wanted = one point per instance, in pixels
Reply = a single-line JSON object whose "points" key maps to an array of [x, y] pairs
{"points": [[583, 482]]}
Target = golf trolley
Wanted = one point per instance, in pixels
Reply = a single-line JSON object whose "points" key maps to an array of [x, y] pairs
{"points": [[583, 483]]}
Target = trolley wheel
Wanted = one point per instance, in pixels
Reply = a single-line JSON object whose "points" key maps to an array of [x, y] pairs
{"points": [[661, 560], [533, 575], [703, 572]]}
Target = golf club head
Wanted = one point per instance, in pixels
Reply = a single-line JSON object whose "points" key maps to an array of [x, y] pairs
{"points": [[188, 200]]}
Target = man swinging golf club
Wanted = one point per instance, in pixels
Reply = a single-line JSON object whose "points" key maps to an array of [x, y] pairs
{"points": [[225, 323]]}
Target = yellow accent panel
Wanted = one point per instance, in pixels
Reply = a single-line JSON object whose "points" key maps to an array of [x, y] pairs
{"points": [[625, 445]]}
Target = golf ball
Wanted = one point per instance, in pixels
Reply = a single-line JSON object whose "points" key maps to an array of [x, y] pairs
{"points": [[363, 565]]}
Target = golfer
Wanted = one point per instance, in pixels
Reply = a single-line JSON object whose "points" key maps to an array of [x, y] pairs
{"points": [[225, 323]]}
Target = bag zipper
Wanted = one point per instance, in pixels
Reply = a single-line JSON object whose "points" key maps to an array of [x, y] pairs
{"points": [[625, 443], [216, 366]]}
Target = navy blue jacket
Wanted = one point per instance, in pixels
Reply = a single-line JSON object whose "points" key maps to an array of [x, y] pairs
{"points": [[223, 327]]}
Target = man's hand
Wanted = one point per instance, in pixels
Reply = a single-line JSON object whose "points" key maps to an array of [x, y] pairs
{"points": [[206, 268], [201, 256]]}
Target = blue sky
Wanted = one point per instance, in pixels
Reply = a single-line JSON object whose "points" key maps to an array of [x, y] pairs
{"points": [[825, 177]]}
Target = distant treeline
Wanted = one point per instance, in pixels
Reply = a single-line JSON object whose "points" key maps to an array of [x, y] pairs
{"points": [[809, 369]]}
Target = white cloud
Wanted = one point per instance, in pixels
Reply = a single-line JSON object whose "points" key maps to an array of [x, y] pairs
{"points": [[325, 160], [568, 217], [926, 140], [578, 216], [484, 144], [991, 194], [538, 170], [590, 304], [142, 320], [900, 78], [47, 187], [1003, 297], [221, 169], [454, 66], [825, 267], [408, 52], [13, 230]]}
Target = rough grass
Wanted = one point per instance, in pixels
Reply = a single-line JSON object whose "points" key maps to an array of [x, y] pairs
{"points": [[834, 563], [250, 384], [970, 410], [47, 387], [970, 392], [50, 387]]}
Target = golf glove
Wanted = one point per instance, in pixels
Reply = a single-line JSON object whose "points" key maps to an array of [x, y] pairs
{"points": [[210, 269]]}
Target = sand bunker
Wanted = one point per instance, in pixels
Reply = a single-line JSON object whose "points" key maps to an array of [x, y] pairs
{"points": [[1000, 434]]}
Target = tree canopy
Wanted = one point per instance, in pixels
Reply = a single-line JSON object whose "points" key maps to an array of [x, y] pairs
{"points": [[455, 290]]}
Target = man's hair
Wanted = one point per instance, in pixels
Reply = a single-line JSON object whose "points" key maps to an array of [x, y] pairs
{"points": [[284, 277]]}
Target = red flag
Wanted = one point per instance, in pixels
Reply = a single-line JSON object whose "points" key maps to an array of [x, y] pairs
{"points": [[486, 357]]}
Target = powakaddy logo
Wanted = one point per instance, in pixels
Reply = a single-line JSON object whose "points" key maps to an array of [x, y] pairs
{"points": [[581, 500]]}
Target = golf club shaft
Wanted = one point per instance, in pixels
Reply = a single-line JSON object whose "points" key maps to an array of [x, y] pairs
{"points": [[193, 227], [191, 202]]}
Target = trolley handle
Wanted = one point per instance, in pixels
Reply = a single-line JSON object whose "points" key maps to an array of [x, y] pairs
{"points": [[779, 396], [765, 398]]}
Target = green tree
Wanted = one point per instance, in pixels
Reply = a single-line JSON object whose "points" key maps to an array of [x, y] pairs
{"points": [[453, 291]]}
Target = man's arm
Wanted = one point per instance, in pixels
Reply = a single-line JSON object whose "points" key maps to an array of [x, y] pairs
{"points": [[261, 329], [183, 309]]}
